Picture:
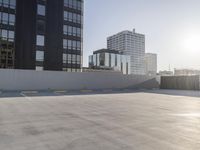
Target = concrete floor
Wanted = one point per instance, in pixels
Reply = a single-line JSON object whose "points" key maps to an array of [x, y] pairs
{"points": [[151, 120]]}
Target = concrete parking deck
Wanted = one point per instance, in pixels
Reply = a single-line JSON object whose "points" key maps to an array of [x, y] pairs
{"points": [[151, 120]]}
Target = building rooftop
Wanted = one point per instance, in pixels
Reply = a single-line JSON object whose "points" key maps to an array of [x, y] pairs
{"points": [[106, 51], [126, 32]]}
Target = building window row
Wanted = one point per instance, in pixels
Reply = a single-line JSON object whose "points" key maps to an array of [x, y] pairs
{"points": [[72, 17], [71, 69], [71, 44], [71, 59], [7, 35], [6, 18], [69, 30], [8, 3], [76, 4]]}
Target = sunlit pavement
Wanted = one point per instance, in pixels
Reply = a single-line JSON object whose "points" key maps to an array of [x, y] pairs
{"points": [[151, 120]]}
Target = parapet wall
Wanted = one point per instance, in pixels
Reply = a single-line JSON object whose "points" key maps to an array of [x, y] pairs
{"points": [[180, 82], [44, 80]]}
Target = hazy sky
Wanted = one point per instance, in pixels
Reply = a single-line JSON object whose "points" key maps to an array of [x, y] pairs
{"points": [[172, 28]]}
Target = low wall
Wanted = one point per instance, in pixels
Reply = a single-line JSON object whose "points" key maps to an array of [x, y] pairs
{"points": [[180, 82], [43, 80]]}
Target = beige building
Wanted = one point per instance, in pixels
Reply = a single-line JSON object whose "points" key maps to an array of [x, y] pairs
{"points": [[150, 64]]}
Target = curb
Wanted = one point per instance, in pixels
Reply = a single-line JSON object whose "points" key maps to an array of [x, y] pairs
{"points": [[60, 91], [86, 91], [29, 92]]}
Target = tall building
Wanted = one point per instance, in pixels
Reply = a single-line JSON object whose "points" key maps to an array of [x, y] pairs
{"points": [[41, 34], [132, 44], [111, 60], [151, 64]]}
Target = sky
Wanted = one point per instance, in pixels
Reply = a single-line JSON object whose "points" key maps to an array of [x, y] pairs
{"points": [[171, 27]]}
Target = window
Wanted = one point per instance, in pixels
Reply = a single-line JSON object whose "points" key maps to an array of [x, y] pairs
{"points": [[73, 59], [74, 45], [79, 5], [41, 26], [74, 31], [70, 31], [64, 58], [69, 44], [5, 34], [40, 40], [39, 55], [65, 15], [78, 18], [70, 17], [11, 19], [41, 10], [78, 32], [5, 18], [65, 43], [39, 68], [78, 45], [12, 3], [6, 3], [74, 4], [74, 19], [11, 35], [78, 59], [69, 59], [65, 29]]}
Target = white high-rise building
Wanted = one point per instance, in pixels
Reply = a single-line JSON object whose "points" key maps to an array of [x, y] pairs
{"points": [[151, 64], [132, 44]]}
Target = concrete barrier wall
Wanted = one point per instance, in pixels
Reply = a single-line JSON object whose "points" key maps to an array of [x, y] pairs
{"points": [[180, 82], [43, 80]]}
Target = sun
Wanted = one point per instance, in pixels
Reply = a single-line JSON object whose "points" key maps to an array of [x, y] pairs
{"points": [[191, 42]]}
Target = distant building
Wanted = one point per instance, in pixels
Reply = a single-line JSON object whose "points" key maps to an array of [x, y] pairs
{"points": [[186, 72], [105, 59], [132, 44], [165, 73], [151, 64]]}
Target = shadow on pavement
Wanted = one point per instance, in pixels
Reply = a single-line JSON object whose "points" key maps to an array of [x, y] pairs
{"points": [[176, 92], [10, 94]]}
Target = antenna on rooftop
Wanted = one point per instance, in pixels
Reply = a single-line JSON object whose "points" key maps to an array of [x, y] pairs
{"points": [[169, 67]]}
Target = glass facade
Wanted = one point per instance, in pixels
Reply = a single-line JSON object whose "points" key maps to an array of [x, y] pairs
{"points": [[72, 35], [7, 33], [109, 60]]}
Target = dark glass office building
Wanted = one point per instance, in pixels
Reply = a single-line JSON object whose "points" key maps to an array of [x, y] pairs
{"points": [[41, 34]]}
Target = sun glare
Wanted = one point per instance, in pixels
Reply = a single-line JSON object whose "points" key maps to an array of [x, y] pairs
{"points": [[192, 43]]}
